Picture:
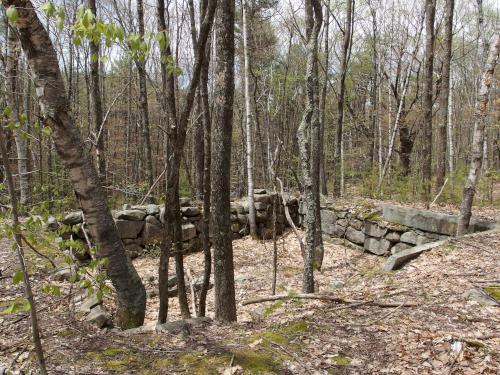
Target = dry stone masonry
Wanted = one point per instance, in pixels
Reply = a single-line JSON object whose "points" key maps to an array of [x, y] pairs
{"points": [[141, 226], [391, 229]]}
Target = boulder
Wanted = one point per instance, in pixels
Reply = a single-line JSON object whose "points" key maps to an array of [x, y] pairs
{"points": [[261, 206], [242, 219], [377, 246], [190, 211], [261, 216], [99, 317], [374, 229], [328, 217], [399, 247], [259, 191], [356, 224], [264, 198], [193, 245], [88, 303], [152, 209], [63, 274], [342, 222], [188, 231], [414, 238], [73, 218], [132, 215], [129, 228], [51, 225], [393, 236], [152, 234], [355, 236], [397, 260], [341, 214]]}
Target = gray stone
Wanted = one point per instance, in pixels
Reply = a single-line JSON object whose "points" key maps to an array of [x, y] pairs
{"points": [[190, 211], [337, 284], [126, 206], [377, 246], [355, 236], [133, 250], [193, 245], [374, 229], [152, 209], [73, 218], [235, 207], [129, 228], [342, 222], [397, 260], [184, 202], [393, 236], [356, 224], [399, 247], [89, 303], [261, 206], [99, 317], [264, 198], [328, 217], [259, 191], [184, 327], [133, 215], [242, 219], [429, 221], [479, 296], [152, 233], [63, 274], [341, 214], [338, 231], [414, 238], [188, 231], [261, 216], [51, 225]]}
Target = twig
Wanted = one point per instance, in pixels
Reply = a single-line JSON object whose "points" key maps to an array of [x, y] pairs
{"points": [[152, 186], [440, 192], [37, 252], [369, 323], [193, 292], [326, 297]]}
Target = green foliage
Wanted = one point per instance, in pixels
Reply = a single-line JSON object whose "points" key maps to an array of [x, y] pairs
{"points": [[12, 14], [18, 277]]}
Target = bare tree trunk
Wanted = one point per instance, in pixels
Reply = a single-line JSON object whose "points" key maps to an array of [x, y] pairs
{"points": [[430, 10], [248, 122], [314, 19], [13, 99], [20, 253], [322, 171], [95, 94], [43, 61], [449, 130], [207, 125], [225, 301], [477, 143], [337, 157], [143, 99], [445, 94]]}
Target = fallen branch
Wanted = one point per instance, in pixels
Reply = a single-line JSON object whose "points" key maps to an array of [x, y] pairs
{"points": [[326, 297], [37, 252]]}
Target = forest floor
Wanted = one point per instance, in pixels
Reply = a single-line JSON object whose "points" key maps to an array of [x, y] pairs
{"points": [[440, 333]]}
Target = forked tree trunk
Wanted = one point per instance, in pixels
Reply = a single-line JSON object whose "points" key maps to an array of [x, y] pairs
{"points": [[225, 301], [248, 123], [430, 10], [477, 142], [445, 95], [43, 61]]}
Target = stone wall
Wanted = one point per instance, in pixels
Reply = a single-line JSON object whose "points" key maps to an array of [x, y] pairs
{"points": [[391, 229], [140, 226]]}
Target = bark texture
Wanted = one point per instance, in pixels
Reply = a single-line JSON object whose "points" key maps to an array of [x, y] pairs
{"points": [[42, 58], [225, 302], [477, 142]]}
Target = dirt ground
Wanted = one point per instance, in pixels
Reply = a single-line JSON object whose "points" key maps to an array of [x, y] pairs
{"points": [[430, 327]]}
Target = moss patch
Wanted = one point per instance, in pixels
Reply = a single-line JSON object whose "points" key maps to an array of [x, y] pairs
{"points": [[275, 306], [493, 291]]}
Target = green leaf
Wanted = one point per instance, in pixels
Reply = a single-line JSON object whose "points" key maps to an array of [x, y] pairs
{"points": [[12, 309], [48, 8], [47, 131], [12, 14], [18, 277], [27, 306], [7, 112]]}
